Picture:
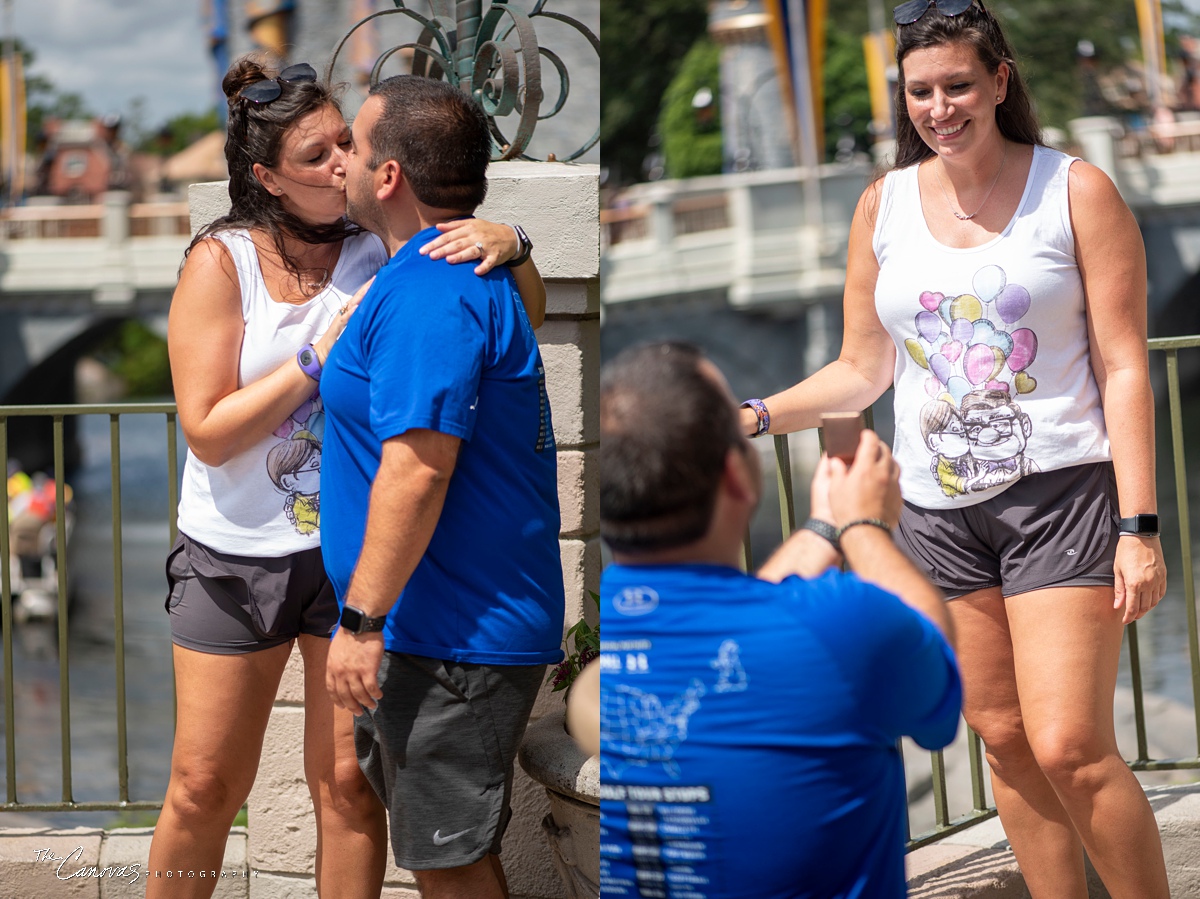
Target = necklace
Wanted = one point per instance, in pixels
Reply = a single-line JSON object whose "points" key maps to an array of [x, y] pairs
{"points": [[313, 281], [961, 216], [312, 284]]}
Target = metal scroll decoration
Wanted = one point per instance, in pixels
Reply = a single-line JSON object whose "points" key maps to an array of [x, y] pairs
{"points": [[493, 56]]}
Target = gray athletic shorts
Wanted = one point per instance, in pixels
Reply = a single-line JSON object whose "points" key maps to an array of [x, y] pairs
{"points": [[439, 751], [227, 604], [1050, 529]]}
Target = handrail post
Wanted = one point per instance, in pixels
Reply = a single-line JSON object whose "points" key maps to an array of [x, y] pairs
{"points": [[60, 560], [6, 618], [119, 606], [1185, 530]]}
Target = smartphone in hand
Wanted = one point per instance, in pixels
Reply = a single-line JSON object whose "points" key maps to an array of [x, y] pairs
{"points": [[841, 431]]}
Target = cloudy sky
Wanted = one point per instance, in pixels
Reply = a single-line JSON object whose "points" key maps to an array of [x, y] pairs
{"points": [[111, 51]]}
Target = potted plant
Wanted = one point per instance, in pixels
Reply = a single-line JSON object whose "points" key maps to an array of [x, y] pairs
{"points": [[570, 776]]}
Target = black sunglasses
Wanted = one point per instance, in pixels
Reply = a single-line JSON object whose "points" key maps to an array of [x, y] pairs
{"points": [[907, 13], [262, 92]]}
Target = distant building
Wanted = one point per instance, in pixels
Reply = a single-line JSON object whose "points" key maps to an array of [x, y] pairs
{"points": [[83, 159]]}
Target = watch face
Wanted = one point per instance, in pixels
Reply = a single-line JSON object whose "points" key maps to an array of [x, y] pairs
{"points": [[352, 620], [307, 357]]}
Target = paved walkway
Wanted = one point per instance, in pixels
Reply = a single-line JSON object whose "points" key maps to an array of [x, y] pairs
{"points": [[978, 863]]}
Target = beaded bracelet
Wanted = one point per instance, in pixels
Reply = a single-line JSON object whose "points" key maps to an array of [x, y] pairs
{"points": [[764, 417], [874, 522]]}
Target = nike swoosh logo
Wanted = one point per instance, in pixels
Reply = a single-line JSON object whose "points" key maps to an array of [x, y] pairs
{"points": [[439, 840]]}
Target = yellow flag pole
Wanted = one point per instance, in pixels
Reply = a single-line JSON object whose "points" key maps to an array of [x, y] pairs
{"points": [[1154, 53]]}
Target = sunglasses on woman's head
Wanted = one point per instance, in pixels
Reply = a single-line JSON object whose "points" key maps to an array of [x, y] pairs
{"points": [[907, 13], [262, 92]]}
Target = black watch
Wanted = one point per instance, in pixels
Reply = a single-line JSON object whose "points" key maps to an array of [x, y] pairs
{"points": [[524, 247], [356, 621], [1139, 526]]}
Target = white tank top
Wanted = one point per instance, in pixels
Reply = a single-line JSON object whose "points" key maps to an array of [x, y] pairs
{"points": [[266, 501], [993, 379]]}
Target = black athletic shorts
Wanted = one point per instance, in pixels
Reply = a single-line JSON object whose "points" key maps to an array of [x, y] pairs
{"points": [[1049, 529], [228, 604]]}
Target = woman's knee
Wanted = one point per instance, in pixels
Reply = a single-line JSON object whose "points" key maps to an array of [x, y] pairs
{"points": [[343, 790], [206, 793], [1003, 735], [1075, 762]]}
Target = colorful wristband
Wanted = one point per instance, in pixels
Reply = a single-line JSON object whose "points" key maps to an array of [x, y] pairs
{"points": [[764, 417], [874, 522]]}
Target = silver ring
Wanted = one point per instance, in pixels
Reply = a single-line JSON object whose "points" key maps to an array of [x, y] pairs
{"points": [[479, 247]]}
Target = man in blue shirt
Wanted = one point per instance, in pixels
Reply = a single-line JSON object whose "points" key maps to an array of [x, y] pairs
{"points": [[748, 724], [440, 519]]}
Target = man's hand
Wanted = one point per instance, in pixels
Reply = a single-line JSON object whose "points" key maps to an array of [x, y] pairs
{"points": [[869, 488], [819, 493], [352, 671]]}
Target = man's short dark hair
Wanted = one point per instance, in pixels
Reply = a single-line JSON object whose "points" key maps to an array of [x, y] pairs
{"points": [[665, 429], [440, 137]]}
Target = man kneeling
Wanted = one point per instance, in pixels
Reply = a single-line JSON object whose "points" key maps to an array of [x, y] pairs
{"points": [[749, 723]]}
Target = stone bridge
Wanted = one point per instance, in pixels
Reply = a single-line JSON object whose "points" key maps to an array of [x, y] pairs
{"points": [[70, 274]]}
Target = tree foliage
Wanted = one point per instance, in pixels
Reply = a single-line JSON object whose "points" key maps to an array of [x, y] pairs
{"points": [[139, 357], [644, 44], [847, 99], [691, 138]]}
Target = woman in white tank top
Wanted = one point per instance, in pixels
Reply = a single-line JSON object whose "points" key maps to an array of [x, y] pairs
{"points": [[1001, 286], [263, 294]]}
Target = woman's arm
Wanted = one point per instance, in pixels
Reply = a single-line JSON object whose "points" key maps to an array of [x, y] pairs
{"points": [[1112, 264], [457, 243], [532, 291], [866, 364], [204, 338]]}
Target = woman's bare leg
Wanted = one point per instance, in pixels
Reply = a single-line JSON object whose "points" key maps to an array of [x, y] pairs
{"points": [[224, 702], [1067, 643], [351, 821], [1037, 825]]}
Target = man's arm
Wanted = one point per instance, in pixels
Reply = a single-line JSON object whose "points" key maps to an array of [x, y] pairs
{"points": [[806, 553], [406, 503]]}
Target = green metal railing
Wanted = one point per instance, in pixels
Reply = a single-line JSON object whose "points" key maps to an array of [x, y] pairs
{"points": [[58, 416], [980, 810]]}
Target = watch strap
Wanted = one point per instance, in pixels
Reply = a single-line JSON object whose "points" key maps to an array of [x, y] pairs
{"points": [[823, 529], [1143, 525], [366, 624], [524, 247]]}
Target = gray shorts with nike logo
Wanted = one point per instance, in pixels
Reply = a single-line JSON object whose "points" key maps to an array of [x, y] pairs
{"points": [[439, 751]]}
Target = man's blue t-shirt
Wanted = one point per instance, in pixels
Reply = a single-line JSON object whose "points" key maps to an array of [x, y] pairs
{"points": [[432, 345], [748, 733]]}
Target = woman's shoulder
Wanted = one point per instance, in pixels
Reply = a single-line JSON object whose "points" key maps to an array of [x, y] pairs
{"points": [[1089, 185], [367, 243], [876, 197]]}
